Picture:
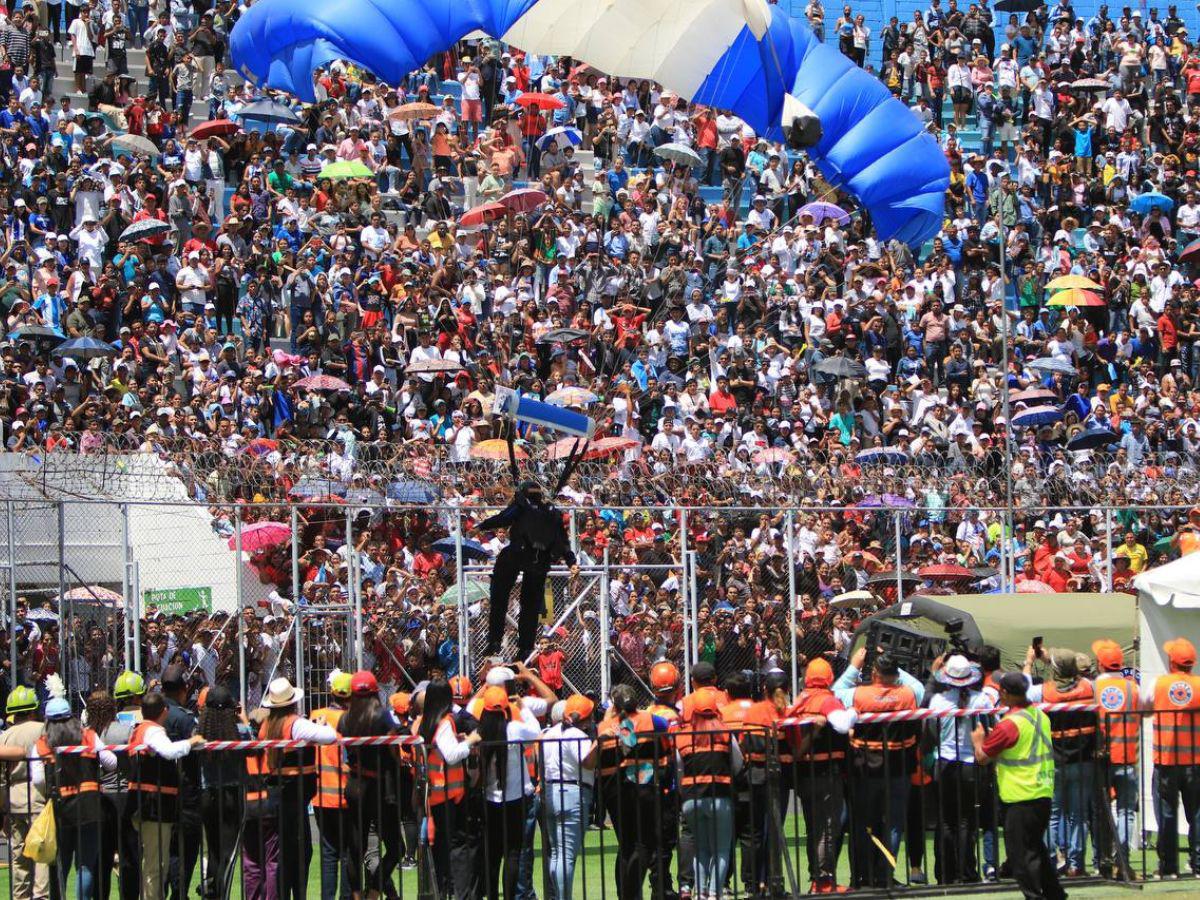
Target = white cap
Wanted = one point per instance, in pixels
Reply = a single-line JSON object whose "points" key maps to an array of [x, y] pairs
{"points": [[500, 676]]}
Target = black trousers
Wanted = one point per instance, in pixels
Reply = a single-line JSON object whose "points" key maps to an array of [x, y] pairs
{"points": [[509, 564], [221, 814], [957, 784], [120, 837], [455, 861], [504, 837], [821, 791], [1025, 843], [186, 839]]}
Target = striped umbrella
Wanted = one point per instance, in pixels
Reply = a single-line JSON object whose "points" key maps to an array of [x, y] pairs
{"points": [[1076, 297]]}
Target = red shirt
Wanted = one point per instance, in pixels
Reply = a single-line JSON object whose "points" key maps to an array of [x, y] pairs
{"points": [[1167, 332], [424, 563], [721, 402], [1058, 580], [550, 667], [1003, 736]]}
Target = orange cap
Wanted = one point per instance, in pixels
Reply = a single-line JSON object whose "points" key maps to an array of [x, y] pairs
{"points": [[578, 707], [1181, 652], [460, 688], [1108, 654], [819, 674], [706, 702], [202, 697], [495, 699], [664, 675], [401, 703]]}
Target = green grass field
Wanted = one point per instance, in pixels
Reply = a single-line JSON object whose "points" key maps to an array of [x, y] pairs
{"points": [[594, 876]]}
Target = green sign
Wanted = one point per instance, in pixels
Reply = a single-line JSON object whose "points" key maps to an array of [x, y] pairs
{"points": [[177, 601]]}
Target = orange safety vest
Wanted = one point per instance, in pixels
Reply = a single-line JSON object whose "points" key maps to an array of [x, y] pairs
{"points": [[1176, 719], [74, 778], [707, 763], [446, 781], [826, 745], [609, 747], [650, 748], [883, 698], [331, 764], [1073, 733], [1120, 724], [153, 781], [753, 727]]}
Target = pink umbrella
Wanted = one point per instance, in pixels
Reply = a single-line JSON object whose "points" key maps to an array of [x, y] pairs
{"points": [[482, 214], [321, 383], [523, 200], [1033, 586], [262, 535], [773, 455]]}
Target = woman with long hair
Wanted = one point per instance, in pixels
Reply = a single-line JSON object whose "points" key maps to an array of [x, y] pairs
{"points": [[221, 789], [73, 784], [372, 790], [505, 728], [446, 788]]}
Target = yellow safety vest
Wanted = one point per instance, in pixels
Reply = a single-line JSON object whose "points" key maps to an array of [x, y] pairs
{"points": [[1025, 771]]}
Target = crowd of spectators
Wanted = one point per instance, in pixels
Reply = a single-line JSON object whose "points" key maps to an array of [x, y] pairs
{"points": [[745, 343]]}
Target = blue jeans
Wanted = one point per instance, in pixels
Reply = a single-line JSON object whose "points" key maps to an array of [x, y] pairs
{"points": [[711, 823], [525, 889], [1069, 811], [568, 809], [139, 23], [1124, 780], [79, 846]]}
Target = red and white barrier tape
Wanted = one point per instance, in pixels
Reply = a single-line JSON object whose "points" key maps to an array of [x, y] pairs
{"points": [[917, 715], [385, 740]]}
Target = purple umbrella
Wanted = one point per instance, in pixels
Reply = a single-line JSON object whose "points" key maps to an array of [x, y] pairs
{"points": [[820, 211]]}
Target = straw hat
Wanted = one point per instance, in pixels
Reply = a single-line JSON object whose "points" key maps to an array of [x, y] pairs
{"points": [[281, 693]]}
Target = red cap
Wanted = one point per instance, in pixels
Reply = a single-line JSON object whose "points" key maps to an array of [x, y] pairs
{"points": [[819, 674], [401, 703], [664, 675], [364, 682], [706, 702], [1181, 652]]}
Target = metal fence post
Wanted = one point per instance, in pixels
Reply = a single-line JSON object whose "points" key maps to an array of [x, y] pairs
{"points": [[899, 558], [1108, 544], [686, 562], [297, 596], [237, 588], [694, 590], [352, 586], [605, 676], [12, 593], [460, 583], [135, 603], [126, 587], [789, 542], [573, 526]]}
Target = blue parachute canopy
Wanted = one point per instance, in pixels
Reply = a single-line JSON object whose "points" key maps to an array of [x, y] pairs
{"points": [[740, 55]]}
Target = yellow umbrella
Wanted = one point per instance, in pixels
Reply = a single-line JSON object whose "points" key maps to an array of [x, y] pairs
{"points": [[495, 449], [1076, 297], [1073, 281]]}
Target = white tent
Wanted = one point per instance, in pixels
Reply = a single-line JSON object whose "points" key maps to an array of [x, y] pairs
{"points": [[1168, 607]]}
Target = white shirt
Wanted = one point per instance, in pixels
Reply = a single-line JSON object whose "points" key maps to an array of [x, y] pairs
{"points": [[564, 748], [81, 38], [516, 776]]}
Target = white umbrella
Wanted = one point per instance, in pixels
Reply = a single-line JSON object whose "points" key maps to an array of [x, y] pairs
{"points": [[678, 153], [135, 144], [561, 136], [852, 598]]}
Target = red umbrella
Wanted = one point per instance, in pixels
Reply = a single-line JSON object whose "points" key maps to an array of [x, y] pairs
{"points": [[1033, 586], [215, 128], [262, 535], [771, 455], [945, 572], [597, 449], [484, 213], [523, 200], [261, 446], [1191, 252], [541, 101], [321, 383]]}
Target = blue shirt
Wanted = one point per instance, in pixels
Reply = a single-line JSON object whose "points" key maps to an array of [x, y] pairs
{"points": [[844, 687]]}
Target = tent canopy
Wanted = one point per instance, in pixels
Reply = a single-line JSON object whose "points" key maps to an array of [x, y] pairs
{"points": [[1169, 608]]}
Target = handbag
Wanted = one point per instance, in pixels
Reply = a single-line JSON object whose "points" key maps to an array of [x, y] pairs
{"points": [[41, 843]]}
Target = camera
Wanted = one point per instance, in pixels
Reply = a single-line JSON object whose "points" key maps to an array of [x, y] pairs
{"points": [[954, 638]]}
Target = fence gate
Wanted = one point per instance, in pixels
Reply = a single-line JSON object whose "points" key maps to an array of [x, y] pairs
{"points": [[325, 642], [572, 620]]}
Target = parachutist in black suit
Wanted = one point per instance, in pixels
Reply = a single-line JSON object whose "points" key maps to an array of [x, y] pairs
{"points": [[537, 540]]}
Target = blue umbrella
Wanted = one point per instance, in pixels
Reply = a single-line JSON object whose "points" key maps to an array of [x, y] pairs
{"points": [[269, 111], [471, 549], [1092, 438], [1143, 203], [1035, 416], [882, 456], [86, 348], [561, 137], [411, 492], [1050, 364], [307, 488]]}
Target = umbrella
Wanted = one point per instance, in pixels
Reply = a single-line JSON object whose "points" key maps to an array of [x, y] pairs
{"points": [[889, 577], [215, 128], [539, 100], [86, 348], [364, 496], [145, 228], [852, 598], [346, 168], [321, 383], [1032, 395], [945, 572], [471, 549], [41, 614], [820, 211], [262, 535], [1092, 438], [1143, 203], [1062, 282], [310, 488], [562, 336], [1190, 252], [1090, 85], [37, 333], [571, 396], [1036, 416], [1163, 544], [473, 592], [1018, 5], [523, 200], [261, 447], [483, 213], [771, 455], [135, 144], [841, 367], [412, 492], [595, 449], [882, 455], [432, 367], [561, 137], [1076, 297], [496, 449], [92, 592], [982, 572], [410, 112], [1050, 364], [269, 111], [678, 153], [1033, 586]]}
